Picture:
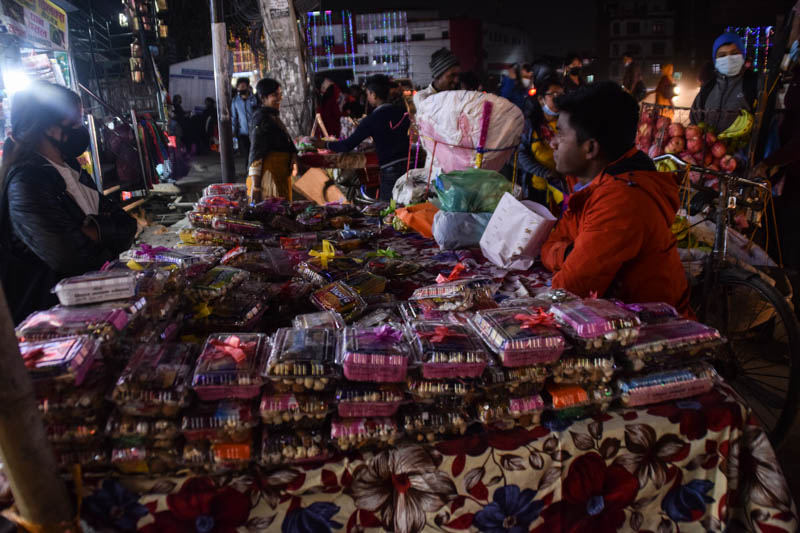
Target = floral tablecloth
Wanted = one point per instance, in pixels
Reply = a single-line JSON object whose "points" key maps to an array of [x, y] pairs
{"points": [[693, 465]]}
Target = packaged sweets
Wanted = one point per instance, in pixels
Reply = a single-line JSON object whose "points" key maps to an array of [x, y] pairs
{"points": [[90, 458], [334, 268], [266, 264], [211, 237], [380, 315], [161, 331], [233, 190], [574, 400], [240, 227], [413, 311], [424, 425], [96, 287], [583, 370], [152, 283], [322, 319], [228, 366], [352, 433], [230, 457], [375, 354], [422, 390], [339, 297], [208, 254], [73, 402], [358, 400], [652, 312], [223, 421], [549, 297], [596, 324], [139, 459], [159, 254], [312, 218], [298, 410], [199, 219], [196, 455], [656, 387], [152, 403], [295, 447], [656, 341], [448, 351], [302, 359], [564, 396], [235, 312], [493, 412], [459, 295], [73, 433], [63, 359], [519, 336], [156, 432], [391, 268], [219, 205], [134, 307], [104, 324], [216, 283], [157, 367], [526, 409], [300, 241], [366, 284], [162, 307]]}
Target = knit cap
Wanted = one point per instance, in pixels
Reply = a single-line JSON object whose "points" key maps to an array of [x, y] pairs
{"points": [[727, 38], [441, 60]]}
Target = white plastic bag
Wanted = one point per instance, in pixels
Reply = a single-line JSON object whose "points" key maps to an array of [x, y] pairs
{"points": [[516, 232], [459, 230], [410, 187]]}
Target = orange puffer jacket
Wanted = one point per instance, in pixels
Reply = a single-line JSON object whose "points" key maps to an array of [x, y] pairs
{"points": [[615, 239]]}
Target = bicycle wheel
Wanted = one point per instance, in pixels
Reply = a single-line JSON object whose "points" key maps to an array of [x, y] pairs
{"points": [[761, 360]]}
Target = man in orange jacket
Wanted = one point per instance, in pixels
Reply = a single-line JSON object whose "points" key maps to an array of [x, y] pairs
{"points": [[614, 239]]}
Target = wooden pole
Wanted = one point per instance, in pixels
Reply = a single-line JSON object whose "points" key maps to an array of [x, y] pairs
{"points": [[222, 84], [39, 493]]}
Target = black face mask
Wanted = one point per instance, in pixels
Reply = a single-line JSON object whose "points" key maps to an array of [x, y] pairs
{"points": [[242, 93], [73, 142], [575, 71]]}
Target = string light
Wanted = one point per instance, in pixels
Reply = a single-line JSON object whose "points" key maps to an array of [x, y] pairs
{"points": [[352, 41]]}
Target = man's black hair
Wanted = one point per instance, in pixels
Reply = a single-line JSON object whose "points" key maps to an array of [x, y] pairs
{"points": [[572, 56], [243, 79], [604, 112], [380, 84]]}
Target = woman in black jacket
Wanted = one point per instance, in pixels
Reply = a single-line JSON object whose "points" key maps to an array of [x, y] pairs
{"points": [[53, 221]]}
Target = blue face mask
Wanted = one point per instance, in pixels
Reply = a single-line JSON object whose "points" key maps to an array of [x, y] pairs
{"points": [[549, 111]]}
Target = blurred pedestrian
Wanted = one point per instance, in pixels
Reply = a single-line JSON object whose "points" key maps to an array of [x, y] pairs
{"points": [[330, 107], [573, 72], [632, 77], [353, 107], [516, 83], [209, 123], [242, 111], [665, 90]]}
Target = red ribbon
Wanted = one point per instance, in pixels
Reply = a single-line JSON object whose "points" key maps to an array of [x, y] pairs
{"points": [[33, 357], [541, 318], [454, 274], [229, 347], [440, 333]]}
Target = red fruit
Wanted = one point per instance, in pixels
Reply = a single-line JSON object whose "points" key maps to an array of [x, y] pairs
{"points": [[713, 183], [718, 150], [676, 130], [694, 177], [694, 144], [644, 145], [714, 166], [647, 118], [727, 163], [655, 151], [675, 145], [663, 123], [694, 132], [708, 159], [710, 138]]}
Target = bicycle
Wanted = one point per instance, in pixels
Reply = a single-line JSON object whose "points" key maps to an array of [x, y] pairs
{"points": [[761, 359]]}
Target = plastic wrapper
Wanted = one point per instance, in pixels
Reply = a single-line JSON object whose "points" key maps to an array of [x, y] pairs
{"points": [[199, 219], [366, 284], [196, 455], [504, 413], [160, 254], [155, 432], [235, 312], [228, 366], [89, 458], [209, 254], [248, 228], [300, 241], [312, 219], [219, 205], [520, 381], [378, 316], [96, 287], [596, 324], [135, 308], [348, 233], [542, 299], [652, 312], [423, 390], [161, 331], [297, 410], [449, 351], [153, 283], [83, 403], [302, 359], [223, 421], [322, 319], [142, 460], [65, 360], [459, 295], [583, 370], [526, 409], [658, 343], [296, 447], [162, 307], [377, 354], [413, 311], [392, 268], [104, 324], [357, 400], [428, 425], [216, 283], [210, 237], [339, 297], [229, 457], [157, 367], [74, 433], [519, 336], [661, 386], [267, 264], [233, 190], [569, 401], [335, 269], [352, 433]]}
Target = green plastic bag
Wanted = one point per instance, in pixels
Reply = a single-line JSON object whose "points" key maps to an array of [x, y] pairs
{"points": [[473, 190]]}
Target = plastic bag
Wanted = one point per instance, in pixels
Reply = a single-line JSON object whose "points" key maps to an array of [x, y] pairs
{"points": [[459, 230], [473, 190], [410, 187], [418, 217]]}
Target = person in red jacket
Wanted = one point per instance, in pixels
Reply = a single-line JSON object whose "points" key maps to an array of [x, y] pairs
{"points": [[614, 240]]}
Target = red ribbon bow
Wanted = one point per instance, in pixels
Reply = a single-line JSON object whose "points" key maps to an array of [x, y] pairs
{"points": [[541, 318], [454, 274], [33, 357], [440, 333], [230, 347]]}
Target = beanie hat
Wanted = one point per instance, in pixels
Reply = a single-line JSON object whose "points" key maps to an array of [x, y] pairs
{"points": [[727, 38], [441, 60]]}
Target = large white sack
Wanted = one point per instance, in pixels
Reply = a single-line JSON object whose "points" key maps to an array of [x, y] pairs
{"points": [[454, 118], [410, 187]]}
